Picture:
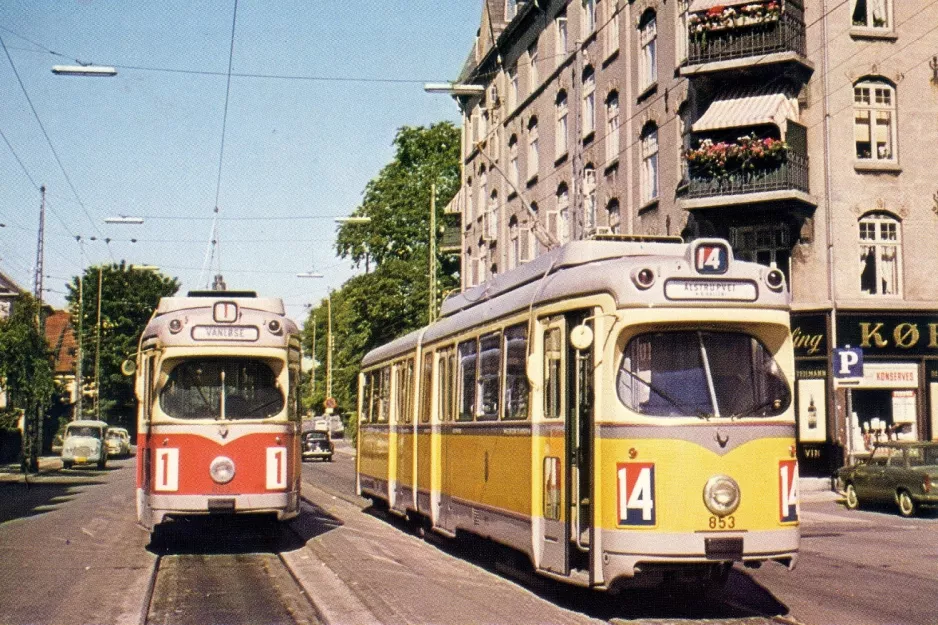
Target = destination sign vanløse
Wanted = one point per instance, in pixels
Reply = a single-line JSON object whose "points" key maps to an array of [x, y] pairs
{"points": [[225, 333]]}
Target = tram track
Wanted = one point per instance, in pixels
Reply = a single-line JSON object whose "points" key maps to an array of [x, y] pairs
{"points": [[234, 574]]}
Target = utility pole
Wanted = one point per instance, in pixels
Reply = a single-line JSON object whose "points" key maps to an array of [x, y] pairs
{"points": [[431, 317], [32, 418], [79, 383], [97, 354], [329, 346]]}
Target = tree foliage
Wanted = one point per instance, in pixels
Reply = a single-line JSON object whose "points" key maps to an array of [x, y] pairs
{"points": [[392, 297], [25, 362], [129, 295]]}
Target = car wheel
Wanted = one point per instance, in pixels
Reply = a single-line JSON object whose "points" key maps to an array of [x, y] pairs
{"points": [[102, 464], [853, 502], [66, 464], [906, 505]]}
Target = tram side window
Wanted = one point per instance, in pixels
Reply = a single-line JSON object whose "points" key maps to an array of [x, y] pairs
{"points": [[366, 398], [553, 385], [426, 398], [468, 355], [490, 363], [405, 392], [384, 395], [447, 369], [516, 381], [293, 412], [227, 388]]}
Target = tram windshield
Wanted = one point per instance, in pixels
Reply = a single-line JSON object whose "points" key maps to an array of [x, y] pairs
{"points": [[701, 373], [221, 388]]}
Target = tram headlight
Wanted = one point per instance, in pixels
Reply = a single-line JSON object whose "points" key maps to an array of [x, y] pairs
{"points": [[775, 279], [222, 470], [274, 326], [175, 326], [721, 495], [643, 278]]}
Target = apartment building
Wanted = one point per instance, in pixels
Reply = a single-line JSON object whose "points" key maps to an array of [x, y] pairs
{"points": [[803, 131]]}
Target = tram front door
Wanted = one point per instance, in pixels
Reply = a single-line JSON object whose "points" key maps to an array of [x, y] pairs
{"points": [[567, 475]]}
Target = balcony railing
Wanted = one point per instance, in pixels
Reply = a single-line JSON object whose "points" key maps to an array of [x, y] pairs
{"points": [[787, 34], [792, 175]]}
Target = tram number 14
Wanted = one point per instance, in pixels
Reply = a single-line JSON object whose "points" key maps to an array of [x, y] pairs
{"points": [[636, 493], [788, 490]]}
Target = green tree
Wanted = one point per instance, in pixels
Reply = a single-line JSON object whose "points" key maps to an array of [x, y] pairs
{"points": [[25, 372], [129, 295], [391, 298]]}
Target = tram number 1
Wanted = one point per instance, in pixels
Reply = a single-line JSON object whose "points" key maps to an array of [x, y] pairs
{"points": [[636, 493], [788, 490], [166, 476], [276, 468]]}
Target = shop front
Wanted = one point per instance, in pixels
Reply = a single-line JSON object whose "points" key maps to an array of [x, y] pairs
{"points": [[893, 396]]}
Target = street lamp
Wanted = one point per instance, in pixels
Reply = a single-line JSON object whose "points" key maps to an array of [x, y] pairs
{"points": [[123, 219], [353, 220], [83, 70], [453, 88], [310, 274]]}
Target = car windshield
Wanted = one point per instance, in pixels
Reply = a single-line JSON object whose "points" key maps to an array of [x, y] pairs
{"points": [[113, 435], [923, 456], [83, 430], [316, 435], [221, 388], [701, 373]]}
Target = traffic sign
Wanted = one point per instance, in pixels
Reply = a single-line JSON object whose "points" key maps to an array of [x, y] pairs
{"points": [[848, 362], [330, 403]]}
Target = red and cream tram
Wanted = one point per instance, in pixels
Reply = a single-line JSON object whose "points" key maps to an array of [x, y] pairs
{"points": [[218, 421]]}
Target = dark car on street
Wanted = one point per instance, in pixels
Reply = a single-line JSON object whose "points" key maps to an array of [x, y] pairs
{"points": [[897, 472], [317, 444]]}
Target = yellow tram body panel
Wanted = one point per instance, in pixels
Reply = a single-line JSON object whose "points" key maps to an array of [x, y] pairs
{"points": [[490, 470], [424, 470], [681, 471], [373, 448]]}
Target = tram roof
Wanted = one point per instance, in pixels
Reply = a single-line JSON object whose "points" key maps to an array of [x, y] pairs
{"points": [[588, 267], [272, 305]]}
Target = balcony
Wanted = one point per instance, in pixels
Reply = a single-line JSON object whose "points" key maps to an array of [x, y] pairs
{"points": [[743, 41], [785, 182]]}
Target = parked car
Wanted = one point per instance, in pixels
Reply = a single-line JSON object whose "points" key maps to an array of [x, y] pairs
{"points": [[317, 444], [904, 473], [336, 427], [83, 443], [118, 442]]}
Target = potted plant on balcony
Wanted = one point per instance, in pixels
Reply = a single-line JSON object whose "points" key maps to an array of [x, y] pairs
{"points": [[723, 18], [748, 156]]}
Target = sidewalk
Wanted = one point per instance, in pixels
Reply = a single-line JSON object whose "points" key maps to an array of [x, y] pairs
{"points": [[12, 472]]}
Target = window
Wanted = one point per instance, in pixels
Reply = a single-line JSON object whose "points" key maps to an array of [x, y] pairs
{"points": [[708, 373], [533, 161], [469, 203], [763, 243], [589, 197], [405, 390], [491, 218], [561, 134], [512, 76], [560, 24], [612, 126], [648, 59], [513, 172], [612, 210], [558, 222], [516, 379], [447, 388], [649, 163], [880, 255], [514, 243], [553, 368], [589, 101], [483, 189], [874, 106], [534, 78], [468, 356], [589, 17], [681, 33], [871, 13], [611, 27], [490, 364], [471, 279], [383, 396], [511, 9], [222, 388]]}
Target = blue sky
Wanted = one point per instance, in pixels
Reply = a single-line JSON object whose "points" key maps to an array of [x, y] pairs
{"points": [[298, 150]]}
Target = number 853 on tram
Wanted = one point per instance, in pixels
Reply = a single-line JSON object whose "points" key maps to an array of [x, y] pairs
{"points": [[616, 412]]}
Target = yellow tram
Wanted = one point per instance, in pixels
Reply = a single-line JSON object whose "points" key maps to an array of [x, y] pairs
{"points": [[619, 411]]}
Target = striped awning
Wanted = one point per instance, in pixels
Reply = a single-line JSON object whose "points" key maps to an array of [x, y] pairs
{"points": [[698, 6], [748, 108]]}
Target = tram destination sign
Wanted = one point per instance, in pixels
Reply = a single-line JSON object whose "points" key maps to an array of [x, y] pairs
{"points": [[732, 290], [225, 333]]}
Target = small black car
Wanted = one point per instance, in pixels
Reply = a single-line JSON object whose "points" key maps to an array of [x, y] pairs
{"points": [[898, 472], [317, 444]]}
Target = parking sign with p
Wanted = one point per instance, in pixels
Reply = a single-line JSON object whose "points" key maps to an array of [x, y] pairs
{"points": [[848, 362]]}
